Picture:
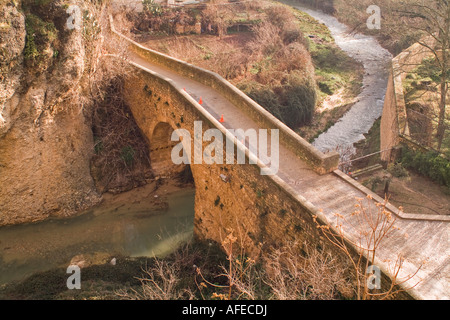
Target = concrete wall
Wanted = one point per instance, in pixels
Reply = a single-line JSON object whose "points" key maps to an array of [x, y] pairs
{"points": [[394, 122]]}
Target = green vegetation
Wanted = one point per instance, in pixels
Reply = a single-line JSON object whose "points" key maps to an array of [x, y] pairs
{"points": [[425, 77], [429, 164], [370, 145], [127, 154], [429, 68], [422, 96], [334, 69], [373, 183], [28, 4], [320, 131], [398, 170], [152, 7], [41, 36], [293, 103]]}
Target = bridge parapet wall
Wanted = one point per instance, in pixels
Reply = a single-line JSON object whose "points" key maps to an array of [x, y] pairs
{"points": [[262, 210], [320, 162]]}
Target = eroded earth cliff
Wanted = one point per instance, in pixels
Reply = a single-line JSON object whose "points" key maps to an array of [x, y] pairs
{"points": [[46, 141]]}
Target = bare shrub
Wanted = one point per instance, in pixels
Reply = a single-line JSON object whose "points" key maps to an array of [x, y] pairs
{"points": [[159, 282], [314, 275], [166, 279], [240, 274], [281, 16], [295, 57], [346, 153], [121, 158], [291, 272], [217, 17], [186, 49], [267, 39], [231, 64], [359, 235], [121, 154]]}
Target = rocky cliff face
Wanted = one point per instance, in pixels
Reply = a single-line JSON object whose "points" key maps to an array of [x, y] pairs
{"points": [[46, 140]]}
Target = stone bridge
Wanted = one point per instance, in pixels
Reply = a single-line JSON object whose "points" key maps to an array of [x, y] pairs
{"points": [[264, 210]]}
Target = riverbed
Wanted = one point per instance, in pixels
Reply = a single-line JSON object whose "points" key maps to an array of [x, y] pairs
{"points": [[369, 106], [146, 221]]}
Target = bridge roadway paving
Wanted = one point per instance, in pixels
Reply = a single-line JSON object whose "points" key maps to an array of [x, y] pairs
{"points": [[417, 240]]}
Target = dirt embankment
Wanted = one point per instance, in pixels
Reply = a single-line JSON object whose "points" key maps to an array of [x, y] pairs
{"points": [[44, 153], [52, 82]]}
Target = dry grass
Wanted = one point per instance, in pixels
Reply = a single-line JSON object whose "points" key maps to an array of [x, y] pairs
{"points": [[159, 282], [292, 272], [313, 275]]}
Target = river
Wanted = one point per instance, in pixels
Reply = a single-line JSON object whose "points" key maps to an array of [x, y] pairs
{"points": [[369, 106], [125, 227]]}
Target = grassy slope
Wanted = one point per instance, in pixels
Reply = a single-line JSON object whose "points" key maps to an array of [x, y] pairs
{"points": [[337, 75]]}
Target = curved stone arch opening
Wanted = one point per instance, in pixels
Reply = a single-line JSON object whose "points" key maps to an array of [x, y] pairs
{"points": [[161, 146], [160, 150]]}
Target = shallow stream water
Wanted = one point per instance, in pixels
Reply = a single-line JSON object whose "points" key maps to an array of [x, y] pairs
{"points": [[369, 106], [128, 229]]}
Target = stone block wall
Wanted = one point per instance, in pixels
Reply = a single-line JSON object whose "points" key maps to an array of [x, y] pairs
{"points": [[394, 122], [261, 210]]}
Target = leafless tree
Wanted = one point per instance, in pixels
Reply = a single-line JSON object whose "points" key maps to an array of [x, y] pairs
{"points": [[217, 16], [159, 282], [359, 236], [432, 19]]}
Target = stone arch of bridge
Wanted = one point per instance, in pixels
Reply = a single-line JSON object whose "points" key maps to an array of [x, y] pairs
{"points": [[161, 148]]}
